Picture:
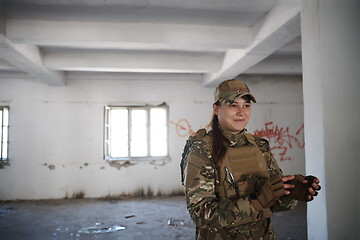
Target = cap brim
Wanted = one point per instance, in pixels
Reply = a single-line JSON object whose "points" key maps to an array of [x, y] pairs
{"points": [[244, 94]]}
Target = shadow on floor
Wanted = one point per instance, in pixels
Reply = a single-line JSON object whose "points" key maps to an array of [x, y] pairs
{"points": [[86, 219]]}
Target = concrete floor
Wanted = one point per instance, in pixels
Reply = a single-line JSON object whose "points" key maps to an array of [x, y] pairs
{"points": [[86, 219]]}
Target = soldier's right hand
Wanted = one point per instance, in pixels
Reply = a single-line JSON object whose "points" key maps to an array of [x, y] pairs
{"points": [[268, 194]]}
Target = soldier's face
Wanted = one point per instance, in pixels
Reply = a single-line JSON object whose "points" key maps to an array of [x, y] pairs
{"points": [[234, 116]]}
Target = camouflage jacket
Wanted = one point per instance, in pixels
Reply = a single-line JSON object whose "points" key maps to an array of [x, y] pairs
{"points": [[214, 217]]}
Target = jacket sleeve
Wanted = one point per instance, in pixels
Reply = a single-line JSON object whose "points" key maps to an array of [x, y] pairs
{"points": [[204, 207], [285, 202]]}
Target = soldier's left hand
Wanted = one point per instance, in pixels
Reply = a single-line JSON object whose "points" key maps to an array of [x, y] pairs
{"points": [[313, 188]]}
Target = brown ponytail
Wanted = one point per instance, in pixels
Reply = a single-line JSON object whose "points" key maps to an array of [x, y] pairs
{"points": [[219, 141]]}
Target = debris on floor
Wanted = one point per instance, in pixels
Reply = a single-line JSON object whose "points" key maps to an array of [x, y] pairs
{"points": [[175, 222], [160, 218], [101, 229]]}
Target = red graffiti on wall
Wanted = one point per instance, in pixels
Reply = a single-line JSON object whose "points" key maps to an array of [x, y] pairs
{"points": [[183, 128], [281, 139]]}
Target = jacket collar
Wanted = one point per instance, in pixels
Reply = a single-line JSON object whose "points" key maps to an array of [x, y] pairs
{"points": [[235, 140]]}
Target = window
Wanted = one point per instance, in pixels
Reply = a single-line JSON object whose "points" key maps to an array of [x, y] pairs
{"points": [[4, 134], [136, 132]]}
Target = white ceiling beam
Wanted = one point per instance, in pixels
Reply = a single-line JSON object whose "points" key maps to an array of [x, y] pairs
{"points": [[127, 35], [130, 62], [6, 66], [133, 76], [14, 75], [277, 65], [28, 59], [228, 5], [279, 26], [220, 13]]}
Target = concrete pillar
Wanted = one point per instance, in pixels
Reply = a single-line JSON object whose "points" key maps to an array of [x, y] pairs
{"points": [[331, 85]]}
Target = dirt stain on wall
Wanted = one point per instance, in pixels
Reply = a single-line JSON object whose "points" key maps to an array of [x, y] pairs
{"points": [[119, 165]]}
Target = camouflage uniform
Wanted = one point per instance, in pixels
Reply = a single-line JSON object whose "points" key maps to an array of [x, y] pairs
{"points": [[219, 217]]}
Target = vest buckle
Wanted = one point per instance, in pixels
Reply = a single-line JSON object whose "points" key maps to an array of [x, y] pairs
{"points": [[229, 176]]}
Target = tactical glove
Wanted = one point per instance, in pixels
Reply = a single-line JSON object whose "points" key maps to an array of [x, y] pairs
{"points": [[310, 180], [268, 194], [300, 191]]}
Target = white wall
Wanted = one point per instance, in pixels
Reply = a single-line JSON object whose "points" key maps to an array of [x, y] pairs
{"points": [[278, 113], [63, 127]]}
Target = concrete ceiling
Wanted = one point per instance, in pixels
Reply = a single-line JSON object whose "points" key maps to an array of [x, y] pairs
{"points": [[54, 41]]}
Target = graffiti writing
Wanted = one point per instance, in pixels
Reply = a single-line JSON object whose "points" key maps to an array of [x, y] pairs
{"points": [[281, 139], [183, 128]]}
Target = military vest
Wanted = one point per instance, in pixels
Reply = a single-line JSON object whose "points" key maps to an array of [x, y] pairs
{"points": [[241, 172]]}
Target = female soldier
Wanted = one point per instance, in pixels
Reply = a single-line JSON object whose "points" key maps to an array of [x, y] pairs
{"points": [[232, 182]]}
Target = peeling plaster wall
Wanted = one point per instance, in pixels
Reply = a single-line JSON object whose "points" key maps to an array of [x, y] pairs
{"points": [[56, 133]]}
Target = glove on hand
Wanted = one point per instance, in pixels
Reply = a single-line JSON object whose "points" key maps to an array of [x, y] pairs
{"points": [[300, 191], [269, 193], [310, 180]]}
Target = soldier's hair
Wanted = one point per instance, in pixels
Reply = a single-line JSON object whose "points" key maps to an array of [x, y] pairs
{"points": [[219, 141]]}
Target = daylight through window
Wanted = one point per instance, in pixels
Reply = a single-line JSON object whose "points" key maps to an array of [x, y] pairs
{"points": [[4, 133], [136, 132]]}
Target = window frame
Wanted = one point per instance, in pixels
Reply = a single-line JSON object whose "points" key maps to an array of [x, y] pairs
{"points": [[107, 131], [2, 127]]}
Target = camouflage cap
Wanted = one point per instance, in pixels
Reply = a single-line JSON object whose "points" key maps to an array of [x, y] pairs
{"points": [[231, 89]]}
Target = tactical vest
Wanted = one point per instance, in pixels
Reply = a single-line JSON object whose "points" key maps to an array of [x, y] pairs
{"points": [[241, 172]]}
